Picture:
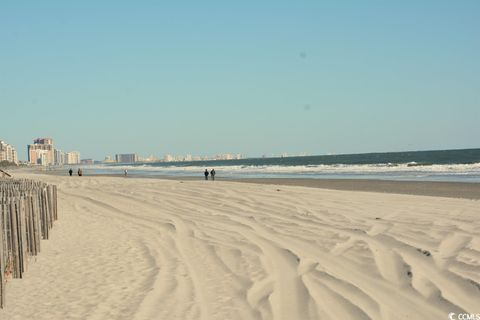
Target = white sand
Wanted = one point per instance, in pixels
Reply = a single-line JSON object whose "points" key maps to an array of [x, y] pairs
{"points": [[158, 249]]}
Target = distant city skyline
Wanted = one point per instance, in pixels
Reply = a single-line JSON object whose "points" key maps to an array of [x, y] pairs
{"points": [[43, 152], [256, 78], [168, 157]]}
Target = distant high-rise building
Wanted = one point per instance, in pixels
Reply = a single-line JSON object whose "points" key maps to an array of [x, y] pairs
{"points": [[126, 158], [13, 156], [108, 159], [87, 161], [150, 158], [168, 158], [59, 158], [72, 157], [41, 151], [8, 153]]}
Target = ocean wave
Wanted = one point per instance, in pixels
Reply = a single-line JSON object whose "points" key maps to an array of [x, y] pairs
{"points": [[473, 168]]}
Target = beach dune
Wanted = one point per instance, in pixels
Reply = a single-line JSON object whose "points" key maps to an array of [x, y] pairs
{"points": [[127, 248]]}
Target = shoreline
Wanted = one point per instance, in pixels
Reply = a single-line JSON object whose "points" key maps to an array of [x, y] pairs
{"points": [[463, 190]]}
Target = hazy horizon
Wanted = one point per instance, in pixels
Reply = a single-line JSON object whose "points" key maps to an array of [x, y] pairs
{"points": [[209, 157], [251, 78]]}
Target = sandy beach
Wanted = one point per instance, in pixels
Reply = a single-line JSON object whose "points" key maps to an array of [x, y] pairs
{"points": [[464, 190], [449, 189], [133, 248]]}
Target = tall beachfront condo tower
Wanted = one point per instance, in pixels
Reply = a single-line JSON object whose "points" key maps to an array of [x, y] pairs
{"points": [[72, 157], [59, 157], [126, 158], [41, 152], [8, 153]]}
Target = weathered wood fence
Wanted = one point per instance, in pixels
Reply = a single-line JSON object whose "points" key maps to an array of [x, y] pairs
{"points": [[27, 211]]}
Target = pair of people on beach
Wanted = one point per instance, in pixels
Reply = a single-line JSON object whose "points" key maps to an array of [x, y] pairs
{"points": [[79, 172], [212, 174]]}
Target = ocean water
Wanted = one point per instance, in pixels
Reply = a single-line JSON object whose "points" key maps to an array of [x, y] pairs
{"points": [[441, 165]]}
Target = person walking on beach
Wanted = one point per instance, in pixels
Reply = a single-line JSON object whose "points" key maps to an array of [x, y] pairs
{"points": [[212, 173], [70, 172], [126, 172], [80, 173], [206, 174]]}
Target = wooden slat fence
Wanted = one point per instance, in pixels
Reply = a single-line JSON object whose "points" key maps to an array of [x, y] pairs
{"points": [[27, 211]]}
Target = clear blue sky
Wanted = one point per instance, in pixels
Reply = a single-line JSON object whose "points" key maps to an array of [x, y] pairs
{"points": [[255, 77]]}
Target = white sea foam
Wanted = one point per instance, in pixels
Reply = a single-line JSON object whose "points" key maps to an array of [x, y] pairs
{"points": [[461, 172]]}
